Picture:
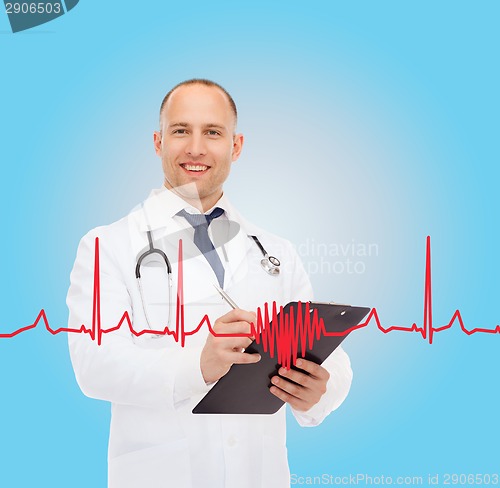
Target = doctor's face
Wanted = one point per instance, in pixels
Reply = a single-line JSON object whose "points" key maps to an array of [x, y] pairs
{"points": [[197, 143]]}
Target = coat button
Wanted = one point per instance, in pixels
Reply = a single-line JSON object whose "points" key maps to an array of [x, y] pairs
{"points": [[231, 441]]}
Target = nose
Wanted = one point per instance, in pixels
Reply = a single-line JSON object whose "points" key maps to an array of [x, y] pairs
{"points": [[196, 145]]}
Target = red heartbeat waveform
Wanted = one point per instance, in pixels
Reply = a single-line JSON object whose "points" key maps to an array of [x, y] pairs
{"points": [[97, 331], [281, 336]]}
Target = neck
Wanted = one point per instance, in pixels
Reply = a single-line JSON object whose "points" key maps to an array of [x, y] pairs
{"points": [[202, 204]]}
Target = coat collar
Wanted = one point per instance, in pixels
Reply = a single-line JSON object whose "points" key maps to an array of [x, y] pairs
{"points": [[158, 210], [157, 214]]}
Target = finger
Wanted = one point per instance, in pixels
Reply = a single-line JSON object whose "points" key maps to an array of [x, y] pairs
{"points": [[294, 402], [313, 368], [305, 380], [244, 358], [233, 343], [238, 315], [295, 390], [232, 329]]}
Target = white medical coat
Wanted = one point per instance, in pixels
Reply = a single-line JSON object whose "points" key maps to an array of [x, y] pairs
{"points": [[154, 383]]}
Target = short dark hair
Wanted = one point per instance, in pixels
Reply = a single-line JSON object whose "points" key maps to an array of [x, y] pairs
{"points": [[201, 81]]}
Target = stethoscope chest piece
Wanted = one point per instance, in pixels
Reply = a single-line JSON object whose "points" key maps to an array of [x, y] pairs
{"points": [[270, 264]]}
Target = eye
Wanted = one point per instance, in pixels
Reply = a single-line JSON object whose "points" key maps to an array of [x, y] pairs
{"points": [[213, 133], [179, 131]]}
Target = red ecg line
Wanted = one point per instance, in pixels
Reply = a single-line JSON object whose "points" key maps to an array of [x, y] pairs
{"points": [[282, 336]]}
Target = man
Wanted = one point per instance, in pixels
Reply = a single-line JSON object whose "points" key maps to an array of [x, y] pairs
{"points": [[154, 380]]}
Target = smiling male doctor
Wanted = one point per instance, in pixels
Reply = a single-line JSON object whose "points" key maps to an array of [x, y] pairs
{"points": [[152, 382]]}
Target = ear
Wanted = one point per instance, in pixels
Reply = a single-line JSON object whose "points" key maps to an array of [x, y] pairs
{"points": [[157, 142], [237, 146]]}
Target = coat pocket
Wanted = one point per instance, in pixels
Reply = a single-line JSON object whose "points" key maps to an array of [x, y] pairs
{"points": [[163, 466]]}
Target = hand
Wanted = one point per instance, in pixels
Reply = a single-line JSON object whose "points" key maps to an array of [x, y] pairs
{"points": [[308, 391], [225, 348]]}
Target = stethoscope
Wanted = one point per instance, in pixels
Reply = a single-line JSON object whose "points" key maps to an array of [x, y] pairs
{"points": [[153, 250], [270, 264]]}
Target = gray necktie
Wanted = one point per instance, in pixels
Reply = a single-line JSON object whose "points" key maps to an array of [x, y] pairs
{"points": [[200, 222]]}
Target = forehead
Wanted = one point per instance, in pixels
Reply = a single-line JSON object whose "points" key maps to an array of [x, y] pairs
{"points": [[197, 103]]}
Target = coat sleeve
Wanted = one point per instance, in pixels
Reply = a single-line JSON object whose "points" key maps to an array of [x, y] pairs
{"points": [[118, 370], [337, 364]]}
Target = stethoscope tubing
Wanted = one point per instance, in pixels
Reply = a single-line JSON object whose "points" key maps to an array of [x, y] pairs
{"points": [[270, 264]]}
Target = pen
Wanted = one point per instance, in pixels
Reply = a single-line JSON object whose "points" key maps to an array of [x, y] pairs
{"points": [[226, 297]]}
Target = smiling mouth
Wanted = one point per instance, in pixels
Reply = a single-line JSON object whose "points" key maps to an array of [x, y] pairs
{"points": [[195, 168]]}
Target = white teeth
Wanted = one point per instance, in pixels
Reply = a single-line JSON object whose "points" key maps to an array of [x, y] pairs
{"points": [[190, 167]]}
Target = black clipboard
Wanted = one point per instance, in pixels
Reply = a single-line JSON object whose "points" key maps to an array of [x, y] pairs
{"points": [[244, 389]]}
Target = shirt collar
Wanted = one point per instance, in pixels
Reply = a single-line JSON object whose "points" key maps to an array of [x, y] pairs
{"points": [[163, 204]]}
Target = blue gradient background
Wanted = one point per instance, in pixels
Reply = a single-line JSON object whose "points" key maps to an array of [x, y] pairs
{"points": [[373, 121]]}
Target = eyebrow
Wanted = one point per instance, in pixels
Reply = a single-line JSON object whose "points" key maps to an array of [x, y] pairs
{"points": [[205, 126]]}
